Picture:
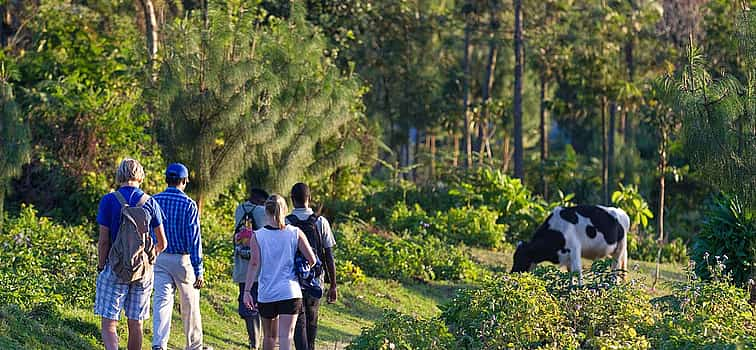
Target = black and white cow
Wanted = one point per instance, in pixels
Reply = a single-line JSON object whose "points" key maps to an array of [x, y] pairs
{"points": [[588, 231]]}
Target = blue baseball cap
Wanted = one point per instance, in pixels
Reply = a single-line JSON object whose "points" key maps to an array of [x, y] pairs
{"points": [[177, 170]]}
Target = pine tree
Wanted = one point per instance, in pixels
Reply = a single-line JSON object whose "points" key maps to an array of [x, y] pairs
{"points": [[241, 91], [14, 133]]}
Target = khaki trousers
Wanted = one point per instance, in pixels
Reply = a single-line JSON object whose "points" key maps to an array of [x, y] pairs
{"points": [[174, 272]]}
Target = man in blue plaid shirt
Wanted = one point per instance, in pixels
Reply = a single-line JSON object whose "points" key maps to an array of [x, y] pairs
{"points": [[179, 268]]}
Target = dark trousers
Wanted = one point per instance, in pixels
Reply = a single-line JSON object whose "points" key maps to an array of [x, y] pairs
{"points": [[251, 320], [307, 324]]}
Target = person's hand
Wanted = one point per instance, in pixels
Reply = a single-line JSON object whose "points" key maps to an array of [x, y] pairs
{"points": [[248, 300], [200, 282], [332, 294]]}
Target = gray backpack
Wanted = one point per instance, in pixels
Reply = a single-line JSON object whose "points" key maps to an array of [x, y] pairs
{"points": [[132, 254]]}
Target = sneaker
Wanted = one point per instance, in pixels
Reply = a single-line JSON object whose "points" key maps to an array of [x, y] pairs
{"points": [[157, 348]]}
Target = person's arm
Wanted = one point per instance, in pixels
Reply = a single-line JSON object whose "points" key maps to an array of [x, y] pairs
{"points": [[103, 247], [304, 247], [252, 269], [195, 245], [162, 242], [330, 262], [330, 265]]}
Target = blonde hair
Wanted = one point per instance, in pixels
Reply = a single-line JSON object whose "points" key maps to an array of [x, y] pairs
{"points": [[276, 208], [129, 170]]}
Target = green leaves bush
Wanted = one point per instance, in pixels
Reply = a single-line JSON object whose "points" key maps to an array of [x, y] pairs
{"points": [[705, 315], [646, 247], [43, 262], [729, 234], [513, 311], [469, 225], [398, 331], [406, 258]]}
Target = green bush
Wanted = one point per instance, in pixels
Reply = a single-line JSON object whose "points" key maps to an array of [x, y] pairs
{"points": [[728, 235], [517, 206], [43, 262], [403, 258], [512, 311], [398, 331], [469, 225], [645, 249], [349, 272], [705, 315]]}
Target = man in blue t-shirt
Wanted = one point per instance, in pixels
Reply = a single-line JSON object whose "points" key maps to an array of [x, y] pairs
{"points": [[112, 295]]}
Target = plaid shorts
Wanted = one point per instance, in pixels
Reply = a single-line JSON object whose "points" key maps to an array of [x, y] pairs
{"points": [[112, 296]]}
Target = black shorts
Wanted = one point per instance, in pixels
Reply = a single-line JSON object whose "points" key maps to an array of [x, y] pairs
{"points": [[283, 307]]}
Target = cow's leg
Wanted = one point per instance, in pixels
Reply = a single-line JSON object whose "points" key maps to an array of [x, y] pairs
{"points": [[620, 258], [576, 264]]}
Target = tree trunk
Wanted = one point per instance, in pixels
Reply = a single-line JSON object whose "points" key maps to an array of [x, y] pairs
{"points": [[604, 155], [432, 156], [466, 90], [488, 84], [610, 155], [151, 33], [2, 205], [662, 172], [519, 171], [630, 63], [543, 129], [455, 150], [507, 154]]}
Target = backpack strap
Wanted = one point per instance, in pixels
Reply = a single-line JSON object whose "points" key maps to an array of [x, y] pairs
{"points": [[293, 219], [121, 199], [246, 214], [144, 199]]}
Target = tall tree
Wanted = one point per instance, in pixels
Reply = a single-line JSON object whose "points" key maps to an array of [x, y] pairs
{"points": [[14, 132], [248, 95], [519, 170]]}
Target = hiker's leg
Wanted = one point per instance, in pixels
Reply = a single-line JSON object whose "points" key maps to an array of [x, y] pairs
{"points": [[190, 308], [109, 334], [311, 307], [286, 331], [300, 332], [135, 334], [270, 332], [162, 304], [251, 319]]}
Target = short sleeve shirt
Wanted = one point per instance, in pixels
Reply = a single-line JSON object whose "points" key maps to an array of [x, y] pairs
{"points": [[109, 211]]}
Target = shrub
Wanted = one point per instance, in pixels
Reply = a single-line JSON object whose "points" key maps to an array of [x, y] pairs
{"points": [[645, 248], [469, 225], [517, 206], [729, 231], [403, 258], [349, 272], [398, 331], [513, 311], [45, 263], [705, 315]]}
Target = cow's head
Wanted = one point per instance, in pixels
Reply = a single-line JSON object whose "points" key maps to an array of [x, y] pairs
{"points": [[522, 260]]}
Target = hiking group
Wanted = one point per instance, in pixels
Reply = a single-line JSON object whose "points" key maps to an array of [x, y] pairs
{"points": [[153, 243]]}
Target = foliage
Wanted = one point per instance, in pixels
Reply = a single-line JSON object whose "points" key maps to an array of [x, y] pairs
{"points": [[239, 95], [406, 258], [728, 233], [44, 262], [349, 272], [469, 225], [398, 331], [511, 311], [705, 315], [80, 78], [519, 209], [14, 132], [629, 200], [645, 248]]}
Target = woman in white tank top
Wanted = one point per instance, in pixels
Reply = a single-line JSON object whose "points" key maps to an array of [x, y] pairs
{"points": [[279, 297]]}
